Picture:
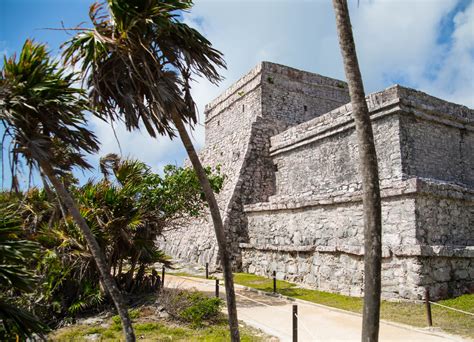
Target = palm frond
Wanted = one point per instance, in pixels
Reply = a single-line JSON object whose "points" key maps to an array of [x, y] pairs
{"points": [[139, 59], [43, 112]]}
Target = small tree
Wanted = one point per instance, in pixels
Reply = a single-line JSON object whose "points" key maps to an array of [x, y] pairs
{"points": [[370, 175], [43, 114], [139, 59]]}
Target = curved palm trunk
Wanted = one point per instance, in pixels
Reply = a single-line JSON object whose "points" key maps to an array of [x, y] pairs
{"points": [[370, 178], [107, 280], [218, 227]]}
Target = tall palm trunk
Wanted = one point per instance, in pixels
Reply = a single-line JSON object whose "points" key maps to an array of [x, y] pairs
{"points": [[369, 172], [218, 227], [107, 280]]}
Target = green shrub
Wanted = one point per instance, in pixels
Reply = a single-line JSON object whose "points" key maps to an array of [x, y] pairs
{"points": [[191, 306], [202, 308]]}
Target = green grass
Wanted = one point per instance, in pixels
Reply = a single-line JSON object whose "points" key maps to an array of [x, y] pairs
{"points": [[406, 313], [154, 330]]}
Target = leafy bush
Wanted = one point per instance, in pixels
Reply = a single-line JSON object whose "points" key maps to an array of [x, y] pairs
{"points": [[202, 309], [191, 306]]}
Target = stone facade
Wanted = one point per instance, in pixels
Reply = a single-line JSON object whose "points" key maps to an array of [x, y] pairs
{"points": [[291, 202]]}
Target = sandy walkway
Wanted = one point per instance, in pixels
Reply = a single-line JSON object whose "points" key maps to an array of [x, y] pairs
{"points": [[316, 323]]}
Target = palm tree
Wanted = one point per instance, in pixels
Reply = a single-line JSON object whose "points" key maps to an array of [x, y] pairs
{"points": [[43, 114], [369, 172], [139, 59]]}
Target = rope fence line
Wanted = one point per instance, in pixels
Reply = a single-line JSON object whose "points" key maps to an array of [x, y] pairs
{"points": [[305, 328], [450, 308], [416, 301], [300, 320], [445, 306], [264, 325]]}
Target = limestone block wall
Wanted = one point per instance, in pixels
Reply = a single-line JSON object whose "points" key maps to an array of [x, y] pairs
{"points": [[311, 230], [437, 138], [319, 242]]}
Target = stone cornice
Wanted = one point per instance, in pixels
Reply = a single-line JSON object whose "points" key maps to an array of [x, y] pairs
{"points": [[450, 251], [407, 187], [393, 100]]}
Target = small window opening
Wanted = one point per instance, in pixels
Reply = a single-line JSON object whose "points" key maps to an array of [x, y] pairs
{"points": [[243, 108], [305, 108], [218, 123]]}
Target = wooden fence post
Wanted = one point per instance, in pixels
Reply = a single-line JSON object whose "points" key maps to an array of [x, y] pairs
{"points": [[428, 307], [295, 323], [274, 282]]}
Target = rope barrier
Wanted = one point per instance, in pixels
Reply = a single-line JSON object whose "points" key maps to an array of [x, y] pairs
{"points": [[305, 328], [450, 308], [446, 307], [302, 324], [300, 320], [264, 325], [258, 302]]}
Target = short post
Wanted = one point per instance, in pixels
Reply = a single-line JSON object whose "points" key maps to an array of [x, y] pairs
{"points": [[274, 282], [207, 270], [163, 277], [295, 323], [428, 307], [217, 288]]}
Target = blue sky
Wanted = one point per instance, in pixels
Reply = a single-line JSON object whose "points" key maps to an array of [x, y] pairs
{"points": [[424, 44]]}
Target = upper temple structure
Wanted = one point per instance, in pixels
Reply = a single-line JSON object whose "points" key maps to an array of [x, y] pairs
{"points": [[291, 201]]}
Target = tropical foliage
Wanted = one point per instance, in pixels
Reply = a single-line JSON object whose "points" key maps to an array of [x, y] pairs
{"points": [[138, 61], [43, 112], [16, 280], [126, 210]]}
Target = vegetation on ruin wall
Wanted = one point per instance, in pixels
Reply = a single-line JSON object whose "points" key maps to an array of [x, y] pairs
{"points": [[400, 312], [51, 271]]}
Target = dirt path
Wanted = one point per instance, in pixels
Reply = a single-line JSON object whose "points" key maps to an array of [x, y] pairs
{"points": [[315, 322]]}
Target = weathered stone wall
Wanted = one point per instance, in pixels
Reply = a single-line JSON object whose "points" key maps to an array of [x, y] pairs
{"points": [[320, 241], [291, 201], [312, 229], [239, 124]]}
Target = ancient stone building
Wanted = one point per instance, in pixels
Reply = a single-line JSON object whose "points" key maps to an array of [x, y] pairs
{"points": [[286, 142]]}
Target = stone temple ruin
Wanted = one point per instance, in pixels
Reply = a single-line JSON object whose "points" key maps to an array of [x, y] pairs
{"points": [[291, 201]]}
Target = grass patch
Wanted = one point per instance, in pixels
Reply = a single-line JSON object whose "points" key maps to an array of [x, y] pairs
{"points": [[155, 331], [149, 328], [406, 313]]}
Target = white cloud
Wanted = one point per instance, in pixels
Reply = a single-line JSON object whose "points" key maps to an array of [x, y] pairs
{"points": [[397, 41], [455, 77]]}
